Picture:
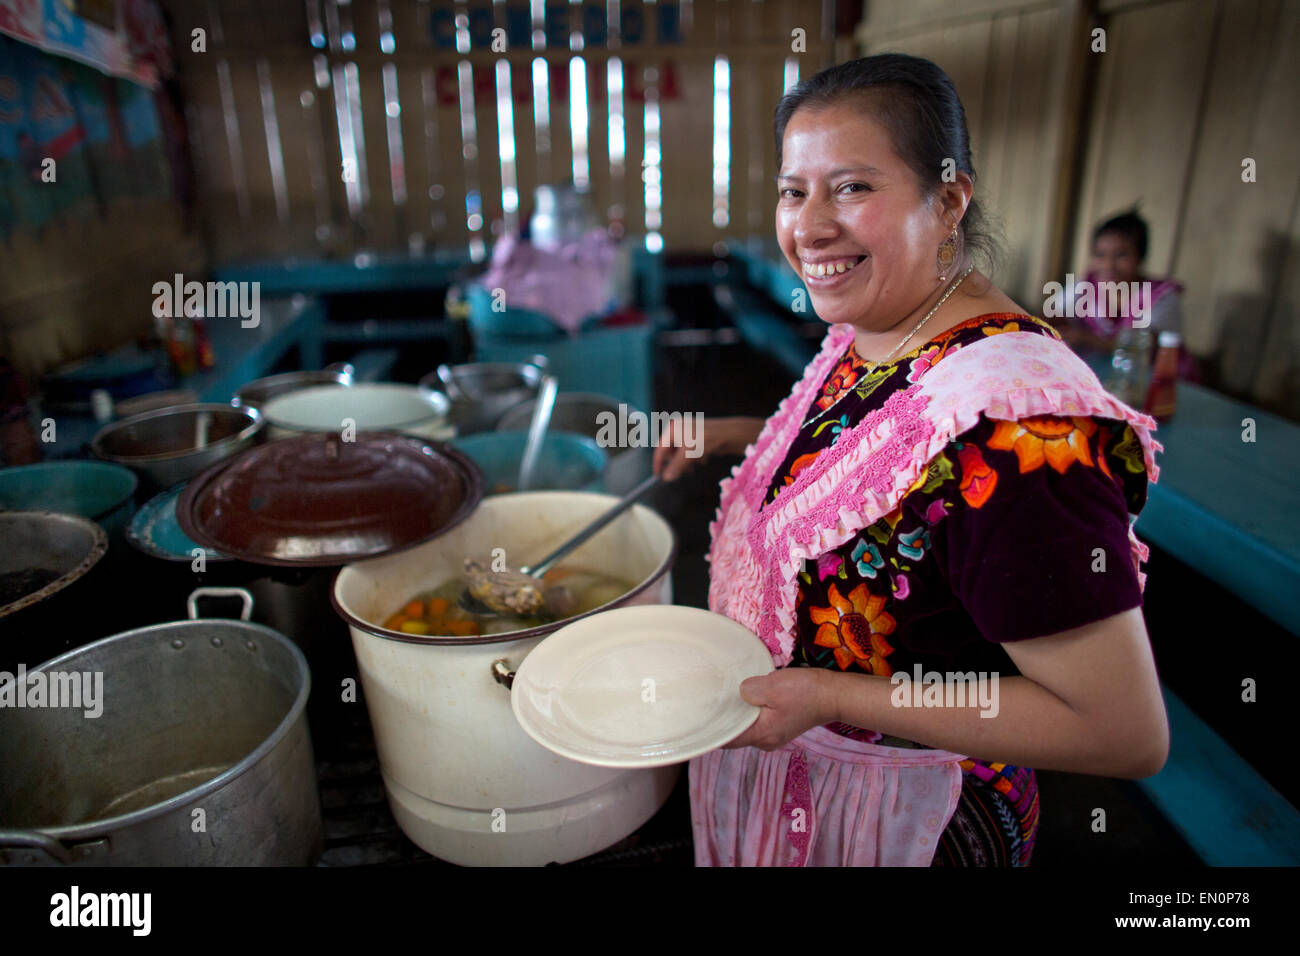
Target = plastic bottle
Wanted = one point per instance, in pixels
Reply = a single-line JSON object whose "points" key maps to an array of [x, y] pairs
{"points": [[203, 356], [1120, 380], [181, 346]]}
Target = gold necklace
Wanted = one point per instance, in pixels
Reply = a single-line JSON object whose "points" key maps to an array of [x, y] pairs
{"points": [[875, 365]]}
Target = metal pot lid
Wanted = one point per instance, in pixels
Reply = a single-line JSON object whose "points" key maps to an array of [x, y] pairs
{"points": [[317, 500]]}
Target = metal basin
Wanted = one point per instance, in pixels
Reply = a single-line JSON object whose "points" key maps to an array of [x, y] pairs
{"points": [[481, 392], [174, 444], [199, 754], [44, 564]]}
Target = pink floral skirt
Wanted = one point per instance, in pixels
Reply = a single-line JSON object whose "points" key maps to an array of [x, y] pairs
{"points": [[822, 800]]}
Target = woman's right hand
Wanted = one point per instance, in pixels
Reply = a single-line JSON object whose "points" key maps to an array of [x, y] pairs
{"points": [[718, 436]]}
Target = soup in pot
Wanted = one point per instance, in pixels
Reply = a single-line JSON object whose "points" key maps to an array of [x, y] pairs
{"points": [[437, 611]]}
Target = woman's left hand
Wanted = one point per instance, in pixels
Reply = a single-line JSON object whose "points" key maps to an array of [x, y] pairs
{"points": [[792, 700]]}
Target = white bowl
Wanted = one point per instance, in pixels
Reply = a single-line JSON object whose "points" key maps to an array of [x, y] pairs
{"points": [[382, 407]]}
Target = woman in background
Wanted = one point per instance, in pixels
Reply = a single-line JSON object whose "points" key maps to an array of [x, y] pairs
{"points": [[1119, 247]]}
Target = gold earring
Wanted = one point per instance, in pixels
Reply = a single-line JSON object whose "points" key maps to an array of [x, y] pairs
{"points": [[947, 253]]}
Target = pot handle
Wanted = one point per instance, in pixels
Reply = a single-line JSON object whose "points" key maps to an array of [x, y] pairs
{"points": [[41, 843], [503, 674], [192, 602]]}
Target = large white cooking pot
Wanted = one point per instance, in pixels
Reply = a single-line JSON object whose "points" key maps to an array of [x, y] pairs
{"points": [[463, 779], [375, 407]]}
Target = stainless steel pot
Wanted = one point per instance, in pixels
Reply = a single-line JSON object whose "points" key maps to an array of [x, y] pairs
{"points": [[481, 392], [260, 391], [174, 444], [294, 602], [200, 754]]}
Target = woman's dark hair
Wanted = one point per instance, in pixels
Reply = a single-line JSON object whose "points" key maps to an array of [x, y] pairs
{"points": [[917, 103], [1128, 225]]}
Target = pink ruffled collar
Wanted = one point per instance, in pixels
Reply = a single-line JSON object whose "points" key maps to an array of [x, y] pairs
{"points": [[758, 551]]}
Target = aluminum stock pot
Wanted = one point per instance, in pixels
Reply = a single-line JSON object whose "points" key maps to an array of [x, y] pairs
{"points": [[463, 779], [200, 715]]}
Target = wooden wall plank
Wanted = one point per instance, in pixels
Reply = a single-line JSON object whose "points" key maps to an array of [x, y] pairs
{"points": [[1235, 235], [1146, 121]]}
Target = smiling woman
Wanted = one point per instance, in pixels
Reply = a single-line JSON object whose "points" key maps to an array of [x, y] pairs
{"points": [[947, 491]]}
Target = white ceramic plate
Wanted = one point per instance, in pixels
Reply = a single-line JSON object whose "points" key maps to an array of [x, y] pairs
{"points": [[642, 686]]}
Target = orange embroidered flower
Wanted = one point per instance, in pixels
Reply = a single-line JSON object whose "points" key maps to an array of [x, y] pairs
{"points": [[977, 479], [1058, 441], [798, 465], [1101, 453], [855, 628], [840, 381], [1009, 327]]}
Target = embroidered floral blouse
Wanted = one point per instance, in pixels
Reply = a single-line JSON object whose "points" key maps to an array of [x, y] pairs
{"points": [[1018, 529]]}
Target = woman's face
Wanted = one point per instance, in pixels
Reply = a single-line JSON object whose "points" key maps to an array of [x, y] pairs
{"points": [[1114, 258], [848, 201]]}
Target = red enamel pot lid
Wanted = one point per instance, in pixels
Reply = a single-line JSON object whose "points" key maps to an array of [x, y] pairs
{"points": [[317, 500]]}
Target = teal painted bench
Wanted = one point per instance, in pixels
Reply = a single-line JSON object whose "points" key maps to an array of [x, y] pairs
{"points": [[284, 324], [1228, 507], [1228, 814]]}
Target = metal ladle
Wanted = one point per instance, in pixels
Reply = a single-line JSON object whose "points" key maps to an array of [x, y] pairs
{"points": [[537, 430], [522, 591]]}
